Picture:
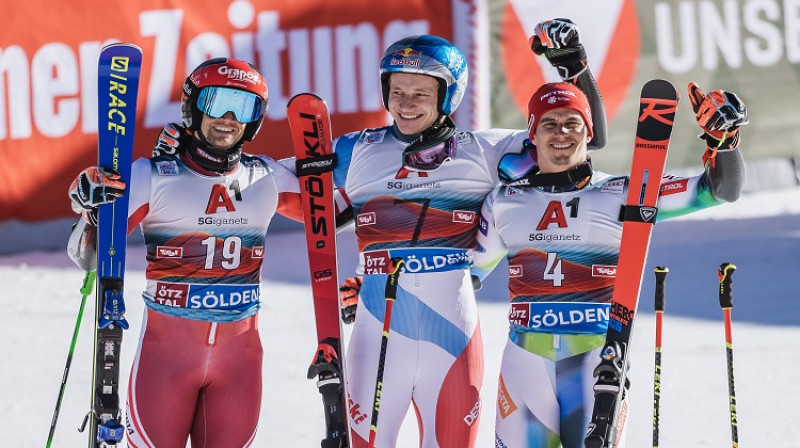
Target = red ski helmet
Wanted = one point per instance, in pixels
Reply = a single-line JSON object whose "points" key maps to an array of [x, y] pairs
{"points": [[558, 95], [230, 73]]}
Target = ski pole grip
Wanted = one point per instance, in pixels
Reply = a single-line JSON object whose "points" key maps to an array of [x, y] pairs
{"points": [[661, 277], [725, 273], [394, 273], [88, 282]]}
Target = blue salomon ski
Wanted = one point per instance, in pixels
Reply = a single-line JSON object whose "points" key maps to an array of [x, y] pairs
{"points": [[118, 88]]}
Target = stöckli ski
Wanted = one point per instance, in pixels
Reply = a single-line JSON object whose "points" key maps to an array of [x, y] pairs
{"points": [[311, 137]]}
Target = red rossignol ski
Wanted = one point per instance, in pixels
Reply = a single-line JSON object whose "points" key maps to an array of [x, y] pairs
{"points": [[657, 107], [311, 137]]}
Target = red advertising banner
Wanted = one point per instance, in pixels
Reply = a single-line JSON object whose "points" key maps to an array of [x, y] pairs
{"points": [[48, 68], [48, 59]]}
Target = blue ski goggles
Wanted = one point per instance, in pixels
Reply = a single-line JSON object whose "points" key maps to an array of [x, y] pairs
{"points": [[429, 158], [215, 102], [515, 166]]}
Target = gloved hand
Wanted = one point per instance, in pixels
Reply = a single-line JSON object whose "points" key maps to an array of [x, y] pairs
{"points": [[719, 114], [348, 298], [94, 186], [560, 42], [170, 139]]}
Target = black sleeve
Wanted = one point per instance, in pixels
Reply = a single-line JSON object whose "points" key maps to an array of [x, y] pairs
{"points": [[586, 82], [727, 176]]}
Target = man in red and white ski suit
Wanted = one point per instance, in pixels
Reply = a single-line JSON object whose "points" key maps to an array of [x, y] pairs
{"points": [[558, 225], [203, 207]]}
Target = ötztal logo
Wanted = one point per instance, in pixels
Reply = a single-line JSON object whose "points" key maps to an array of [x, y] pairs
{"points": [[520, 313]]}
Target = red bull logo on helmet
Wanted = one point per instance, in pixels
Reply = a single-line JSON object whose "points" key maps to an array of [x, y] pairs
{"points": [[406, 56]]}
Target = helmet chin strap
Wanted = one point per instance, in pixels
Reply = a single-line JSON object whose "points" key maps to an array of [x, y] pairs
{"points": [[441, 129], [210, 157]]}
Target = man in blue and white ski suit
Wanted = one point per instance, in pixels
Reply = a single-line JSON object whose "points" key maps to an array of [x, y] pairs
{"points": [[558, 225], [416, 188]]}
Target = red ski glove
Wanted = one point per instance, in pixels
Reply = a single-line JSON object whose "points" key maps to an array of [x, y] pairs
{"points": [[719, 114], [348, 298], [94, 186]]}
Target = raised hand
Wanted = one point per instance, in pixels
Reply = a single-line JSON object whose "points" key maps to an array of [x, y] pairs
{"points": [[719, 114], [560, 42]]}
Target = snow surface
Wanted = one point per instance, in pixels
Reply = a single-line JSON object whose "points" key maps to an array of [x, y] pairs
{"points": [[760, 234]]}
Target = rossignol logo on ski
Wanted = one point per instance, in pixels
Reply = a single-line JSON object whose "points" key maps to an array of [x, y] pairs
{"points": [[652, 145], [661, 110], [647, 213]]}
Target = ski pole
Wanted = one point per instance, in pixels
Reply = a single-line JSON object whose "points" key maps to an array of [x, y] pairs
{"points": [[391, 295], [660, 297], [725, 273], [86, 289]]}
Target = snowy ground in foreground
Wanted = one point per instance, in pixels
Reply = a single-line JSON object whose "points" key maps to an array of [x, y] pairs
{"points": [[760, 234]]}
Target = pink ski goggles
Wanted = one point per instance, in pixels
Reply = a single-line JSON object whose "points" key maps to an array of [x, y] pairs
{"points": [[429, 158]]}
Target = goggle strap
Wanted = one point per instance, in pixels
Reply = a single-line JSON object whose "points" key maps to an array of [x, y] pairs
{"points": [[433, 136], [569, 177]]}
